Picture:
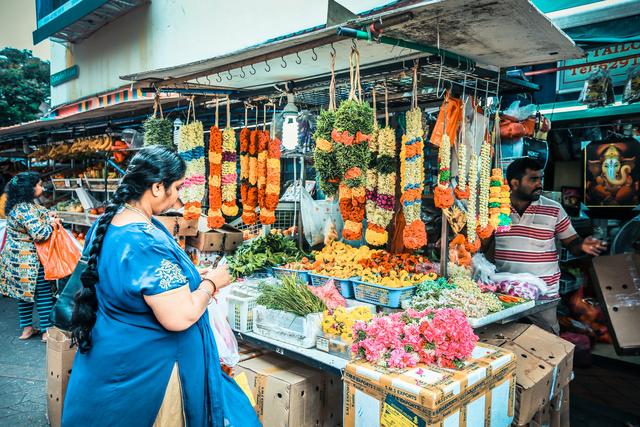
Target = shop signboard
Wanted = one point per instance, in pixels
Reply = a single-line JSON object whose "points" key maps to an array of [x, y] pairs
{"points": [[620, 59], [65, 75]]}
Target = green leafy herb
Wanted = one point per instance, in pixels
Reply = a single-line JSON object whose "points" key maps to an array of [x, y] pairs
{"points": [[263, 252], [291, 296]]}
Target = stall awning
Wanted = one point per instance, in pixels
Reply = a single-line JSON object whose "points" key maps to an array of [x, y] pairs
{"points": [[494, 34], [572, 110]]}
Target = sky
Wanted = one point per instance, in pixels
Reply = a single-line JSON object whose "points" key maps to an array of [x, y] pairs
{"points": [[17, 22]]}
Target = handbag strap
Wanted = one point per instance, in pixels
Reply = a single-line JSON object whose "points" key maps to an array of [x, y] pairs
{"points": [[87, 247]]}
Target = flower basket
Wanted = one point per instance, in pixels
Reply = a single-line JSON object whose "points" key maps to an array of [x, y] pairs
{"points": [[302, 276], [381, 295]]}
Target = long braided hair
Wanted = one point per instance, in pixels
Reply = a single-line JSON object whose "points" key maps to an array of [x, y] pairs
{"points": [[151, 165]]}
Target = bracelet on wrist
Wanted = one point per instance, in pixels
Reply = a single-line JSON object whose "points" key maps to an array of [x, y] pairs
{"points": [[206, 292], [215, 288]]}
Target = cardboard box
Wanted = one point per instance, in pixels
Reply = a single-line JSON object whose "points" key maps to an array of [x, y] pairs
{"points": [[201, 258], [60, 357], [286, 394], [226, 238], [615, 278], [170, 223], [545, 364], [187, 228], [333, 401], [482, 393]]}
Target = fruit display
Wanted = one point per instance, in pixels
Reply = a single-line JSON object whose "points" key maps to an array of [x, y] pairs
{"points": [[69, 206], [79, 236], [79, 148], [340, 260]]}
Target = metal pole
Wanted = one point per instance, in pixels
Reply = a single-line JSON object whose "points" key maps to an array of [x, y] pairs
{"points": [[302, 184], [444, 247]]}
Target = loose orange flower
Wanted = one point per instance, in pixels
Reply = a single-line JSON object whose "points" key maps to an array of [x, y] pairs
{"points": [[353, 173], [443, 197], [414, 235]]}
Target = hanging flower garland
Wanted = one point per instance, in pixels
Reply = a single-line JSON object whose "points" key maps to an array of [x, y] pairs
{"points": [[412, 172], [472, 218], [272, 196], [249, 215], [500, 200], [324, 155], [352, 132], [379, 220], [484, 228], [214, 215], [443, 197], [462, 191], [245, 137], [229, 168], [191, 149], [372, 236], [263, 142]]}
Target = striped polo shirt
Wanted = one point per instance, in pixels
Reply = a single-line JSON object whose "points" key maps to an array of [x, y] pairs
{"points": [[530, 245]]}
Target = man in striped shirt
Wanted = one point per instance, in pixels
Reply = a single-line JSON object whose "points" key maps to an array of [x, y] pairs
{"points": [[530, 245]]}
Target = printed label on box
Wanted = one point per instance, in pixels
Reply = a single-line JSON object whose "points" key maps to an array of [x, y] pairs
{"points": [[396, 414]]}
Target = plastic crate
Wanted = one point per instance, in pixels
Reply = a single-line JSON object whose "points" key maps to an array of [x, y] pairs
{"points": [[264, 273], [344, 286], [302, 276], [381, 295], [240, 312]]}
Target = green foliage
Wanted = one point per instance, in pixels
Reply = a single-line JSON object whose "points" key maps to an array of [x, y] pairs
{"points": [[158, 131], [24, 85], [354, 116], [265, 251], [324, 124], [291, 296]]}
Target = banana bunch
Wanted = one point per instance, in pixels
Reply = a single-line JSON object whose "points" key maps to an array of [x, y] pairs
{"points": [[54, 152], [91, 144]]}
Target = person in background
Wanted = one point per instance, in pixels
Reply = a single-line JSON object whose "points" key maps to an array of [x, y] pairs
{"points": [[146, 350], [530, 245], [3, 202], [21, 272]]}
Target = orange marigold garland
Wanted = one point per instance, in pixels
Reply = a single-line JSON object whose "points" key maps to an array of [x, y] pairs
{"points": [[412, 180], [272, 194], [462, 190], [249, 215], [214, 216], [244, 164], [263, 142]]}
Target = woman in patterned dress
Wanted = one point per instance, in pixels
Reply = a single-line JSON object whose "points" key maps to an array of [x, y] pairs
{"points": [[21, 273], [146, 351]]}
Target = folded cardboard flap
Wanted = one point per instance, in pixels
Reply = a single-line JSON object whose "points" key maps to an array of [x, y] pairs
{"points": [[545, 364], [225, 238], [616, 285], [169, 222]]}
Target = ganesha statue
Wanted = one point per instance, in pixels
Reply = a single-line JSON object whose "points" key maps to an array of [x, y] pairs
{"points": [[612, 182]]}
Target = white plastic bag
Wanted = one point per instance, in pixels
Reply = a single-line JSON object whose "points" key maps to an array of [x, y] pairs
{"points": [[482, 268], [521, 277], [315, 214], [222, 332], [520, 113]]}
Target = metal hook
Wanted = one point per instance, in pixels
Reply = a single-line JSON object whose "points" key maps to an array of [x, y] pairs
{"points": [[208, 80], [333, 49], [229, 77], [284, 63], [314, 54], [268, 66], [298, 59], [219, 79], [242, 73], [252, 71]]}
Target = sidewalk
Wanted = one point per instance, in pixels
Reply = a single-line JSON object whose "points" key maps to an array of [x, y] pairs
{"points": [[22, 373]]}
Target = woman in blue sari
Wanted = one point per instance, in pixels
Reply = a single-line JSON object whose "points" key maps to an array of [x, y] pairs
{"points": [[147, 355]]}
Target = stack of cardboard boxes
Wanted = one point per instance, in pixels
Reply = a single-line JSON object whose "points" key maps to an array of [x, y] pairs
{"points": [[544, 371], [206, 245]]}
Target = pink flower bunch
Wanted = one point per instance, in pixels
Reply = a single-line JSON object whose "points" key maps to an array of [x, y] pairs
{"points": [[329, 295], [402, 340]]}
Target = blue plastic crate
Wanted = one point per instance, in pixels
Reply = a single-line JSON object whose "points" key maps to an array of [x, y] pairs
{"points": [[344, 286], [264, 273], [302, 276], [381, 295]]}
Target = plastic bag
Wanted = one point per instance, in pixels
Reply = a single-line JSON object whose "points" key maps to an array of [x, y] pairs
{"points": [[222, 332], [482, 268], [597, 90], [632, 87], [524, 285], [59, 254], [315, 215], [452, 109], [520, 113], [3, 233]]}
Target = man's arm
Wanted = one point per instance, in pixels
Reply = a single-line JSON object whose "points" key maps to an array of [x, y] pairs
{"points": [[589, 246], [488, 248]]}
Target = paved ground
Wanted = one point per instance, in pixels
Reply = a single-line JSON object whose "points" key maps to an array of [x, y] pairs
{"points": [[22, 373]]}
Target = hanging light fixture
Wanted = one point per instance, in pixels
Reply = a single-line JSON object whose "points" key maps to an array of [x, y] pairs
{"points": [[290, 124]]}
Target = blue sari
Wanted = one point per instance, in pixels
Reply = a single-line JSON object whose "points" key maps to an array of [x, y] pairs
{"points": [[122, 380]]}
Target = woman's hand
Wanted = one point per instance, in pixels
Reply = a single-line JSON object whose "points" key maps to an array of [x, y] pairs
{"points": [[220, 276]]}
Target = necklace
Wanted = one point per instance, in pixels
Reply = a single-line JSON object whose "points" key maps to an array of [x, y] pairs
{"points": [[138, 211]]}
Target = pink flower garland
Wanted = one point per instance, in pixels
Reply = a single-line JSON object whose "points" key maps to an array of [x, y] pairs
{"points": [[402, 340]]}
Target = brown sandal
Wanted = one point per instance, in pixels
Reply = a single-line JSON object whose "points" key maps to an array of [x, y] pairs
{"points": [[33, 332]]}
